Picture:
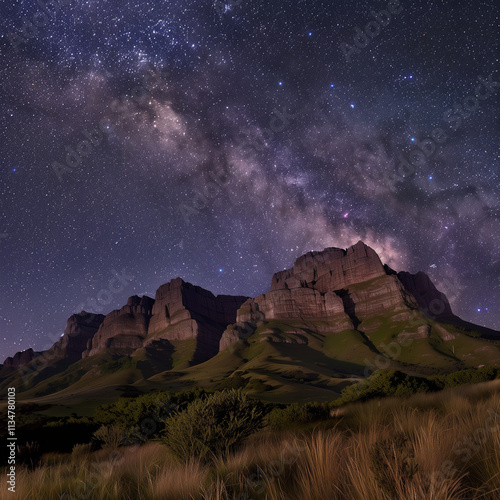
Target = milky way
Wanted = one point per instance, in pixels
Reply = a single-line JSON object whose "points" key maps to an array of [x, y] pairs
{"points": [[218, 141]]}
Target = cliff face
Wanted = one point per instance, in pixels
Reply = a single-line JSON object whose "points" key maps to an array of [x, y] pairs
{"points": [[19, 359], [327, 292], [341, 289], [80, 328], [183, 311], [123, 330], [331, 269], [180, 311], [426, 294]]}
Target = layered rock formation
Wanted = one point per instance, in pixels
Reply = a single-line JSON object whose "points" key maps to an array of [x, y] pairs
{"points": [[123, 330], [19, 359], [331, 269], [80, 328], [340, 289], [327, 292], [180, 311], [183, 311]]}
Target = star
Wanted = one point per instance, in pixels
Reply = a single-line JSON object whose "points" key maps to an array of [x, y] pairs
{"points": [[158, 133]]}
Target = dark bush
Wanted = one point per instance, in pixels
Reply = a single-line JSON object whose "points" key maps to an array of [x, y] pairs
{"points": [[143, 417], [469, 376], [213, 426], [383, 383], [296, 415]]}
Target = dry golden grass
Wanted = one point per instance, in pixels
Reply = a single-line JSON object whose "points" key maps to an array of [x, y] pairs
{"points": [[432, 447]]}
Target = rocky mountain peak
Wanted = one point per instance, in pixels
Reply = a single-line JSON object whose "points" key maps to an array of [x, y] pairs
{"points": [[331, 269]]}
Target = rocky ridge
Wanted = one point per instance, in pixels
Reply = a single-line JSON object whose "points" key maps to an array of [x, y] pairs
{"points": [[329, 291]]}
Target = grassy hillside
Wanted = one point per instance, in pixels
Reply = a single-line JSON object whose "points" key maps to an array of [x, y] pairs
{"points": [[431, 446], [283, 361]]}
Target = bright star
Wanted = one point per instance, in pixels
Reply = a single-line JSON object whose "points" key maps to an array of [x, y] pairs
{"points": [[352, 106], [478, 310], [430, 177], [413, 139], [310, 33], [13, 170], [280, 83], [332, 85], [220, 270]]}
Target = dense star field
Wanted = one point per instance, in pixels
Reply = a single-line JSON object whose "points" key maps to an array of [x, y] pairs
{"points": [[219, 141]]}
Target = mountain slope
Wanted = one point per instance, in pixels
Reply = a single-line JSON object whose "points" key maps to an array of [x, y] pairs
{"points": [[336, 315]]}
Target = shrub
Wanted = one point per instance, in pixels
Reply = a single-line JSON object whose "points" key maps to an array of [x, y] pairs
{"points": [[109, 436], [80, 450], [382, 383], [213, 426], [143, 417], [469, 376], [295, 414]]}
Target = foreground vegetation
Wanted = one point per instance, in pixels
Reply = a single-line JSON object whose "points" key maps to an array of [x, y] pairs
{"points": [[438, 446]]}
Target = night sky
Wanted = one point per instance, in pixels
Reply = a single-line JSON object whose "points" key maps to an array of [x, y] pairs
{"points": [[218, 141]]}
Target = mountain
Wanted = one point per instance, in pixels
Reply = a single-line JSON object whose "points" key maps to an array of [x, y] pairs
{"points": [[335, 315]]}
